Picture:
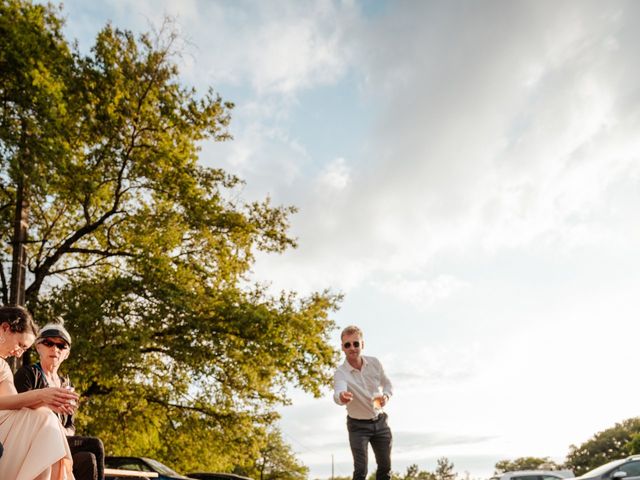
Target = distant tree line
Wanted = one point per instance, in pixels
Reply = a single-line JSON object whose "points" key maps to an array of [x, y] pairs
{"points": [[619, 441], [444, 471]]}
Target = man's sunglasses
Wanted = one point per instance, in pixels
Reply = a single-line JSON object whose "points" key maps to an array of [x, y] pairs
{"points": [[356, 344], [59, 346]]}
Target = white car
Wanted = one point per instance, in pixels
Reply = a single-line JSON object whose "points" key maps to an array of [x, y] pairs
{"points": [[534, 475], [625, 468]]}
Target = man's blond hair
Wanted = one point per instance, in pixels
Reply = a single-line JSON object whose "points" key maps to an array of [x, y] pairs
{"points": [[350, 330]]}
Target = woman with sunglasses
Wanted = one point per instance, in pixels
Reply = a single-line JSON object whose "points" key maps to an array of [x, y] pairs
{"points": [[35, 447], [53, 345]]}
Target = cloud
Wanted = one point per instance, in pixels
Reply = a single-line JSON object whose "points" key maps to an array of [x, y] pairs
{"points": [[482, 137], [484, 153], [273, 48], [421, 293], [519, 133], [276, 48], [335, 176], [433, 366], [408, 441]]}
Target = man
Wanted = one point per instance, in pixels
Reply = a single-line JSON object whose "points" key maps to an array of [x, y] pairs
{"points": [[361, 384]]}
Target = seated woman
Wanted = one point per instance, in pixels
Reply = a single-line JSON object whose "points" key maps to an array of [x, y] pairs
{"points": [[33, 438], [53, 345]]}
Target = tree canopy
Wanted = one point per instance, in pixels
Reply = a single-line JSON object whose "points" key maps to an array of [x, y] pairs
{"points": [[526, 463], [145, 252], [633, 445], [610, 444]]}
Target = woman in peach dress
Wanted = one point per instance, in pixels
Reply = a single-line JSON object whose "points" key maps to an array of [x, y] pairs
{"points": [[35, 446]]}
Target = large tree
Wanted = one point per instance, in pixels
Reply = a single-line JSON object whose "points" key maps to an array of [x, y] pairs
{"points": [[604, 446], [145, 252]]}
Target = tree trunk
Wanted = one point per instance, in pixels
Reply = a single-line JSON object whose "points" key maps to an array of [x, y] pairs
{"points": [[19, 262]]}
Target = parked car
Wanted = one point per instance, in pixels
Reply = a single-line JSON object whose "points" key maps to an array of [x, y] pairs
{"points": [[216, 476], [534, 475], [627, 468], [143, 464]]}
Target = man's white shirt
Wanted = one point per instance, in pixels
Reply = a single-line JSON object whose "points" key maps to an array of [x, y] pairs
{"points": [[363, 384]]}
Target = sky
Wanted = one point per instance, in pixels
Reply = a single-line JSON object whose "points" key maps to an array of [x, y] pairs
{"points": [[467, 174]]}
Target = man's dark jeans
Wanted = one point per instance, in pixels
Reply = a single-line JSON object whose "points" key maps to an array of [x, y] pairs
{"points": [[378, 433]]}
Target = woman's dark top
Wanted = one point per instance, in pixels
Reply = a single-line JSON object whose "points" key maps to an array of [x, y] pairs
{"points": [[31, 377]]}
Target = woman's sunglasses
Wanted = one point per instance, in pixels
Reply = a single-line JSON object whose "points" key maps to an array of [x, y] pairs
{"points": [[59, 346], [356, 344]]}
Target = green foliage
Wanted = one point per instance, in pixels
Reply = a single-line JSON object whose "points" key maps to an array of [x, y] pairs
{"points": [[414, 473], [610, 444], [160, 361], [276, 461], [526, 463], [633, 445], [444, 470], [35, 63], [146, 253]]}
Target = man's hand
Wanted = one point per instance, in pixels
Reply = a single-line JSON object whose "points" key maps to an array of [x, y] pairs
{"points": [[346, 397]]}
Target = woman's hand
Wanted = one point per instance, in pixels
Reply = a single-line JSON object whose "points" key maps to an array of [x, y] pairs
{"points": [[60, 400]]}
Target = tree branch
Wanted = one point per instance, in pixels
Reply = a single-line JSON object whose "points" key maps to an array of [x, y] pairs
{"points": [[80, 267], [45, 269], [103, 253]]}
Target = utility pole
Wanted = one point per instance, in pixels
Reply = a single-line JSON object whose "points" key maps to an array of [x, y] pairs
{"points": [[332, 466]]}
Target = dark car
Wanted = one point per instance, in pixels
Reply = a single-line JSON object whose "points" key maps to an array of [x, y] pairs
{"points": [[143, 464], [625, 468], [217, 476]]}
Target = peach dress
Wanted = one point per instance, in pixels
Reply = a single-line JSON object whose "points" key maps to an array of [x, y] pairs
{"points": [[35, 446]]}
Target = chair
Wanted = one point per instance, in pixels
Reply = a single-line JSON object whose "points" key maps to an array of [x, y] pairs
{"points": [[81, 447]]}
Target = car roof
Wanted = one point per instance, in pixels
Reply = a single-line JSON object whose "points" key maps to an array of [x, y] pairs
{"points": [[223, 475], [127, 457], [518, 473]]}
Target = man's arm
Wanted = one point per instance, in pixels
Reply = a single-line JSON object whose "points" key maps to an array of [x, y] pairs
{"points": [[341, 394], [385, 383]]}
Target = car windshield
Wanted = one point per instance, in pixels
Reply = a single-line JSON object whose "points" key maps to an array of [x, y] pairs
{"points": [[161, 467], [603, 468]]}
